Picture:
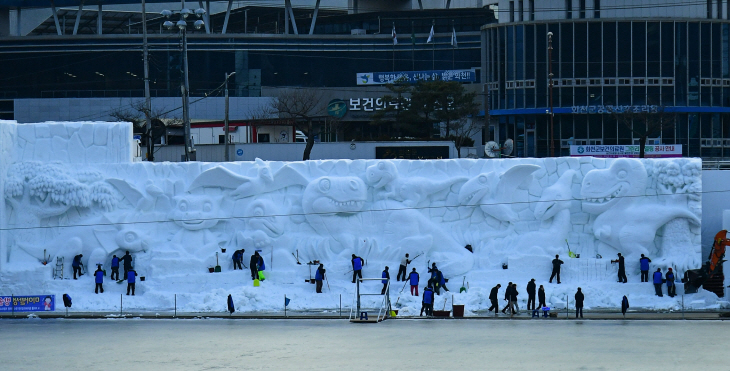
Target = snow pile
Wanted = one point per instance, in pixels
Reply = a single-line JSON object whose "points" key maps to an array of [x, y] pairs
{"points": [[180, 219]]}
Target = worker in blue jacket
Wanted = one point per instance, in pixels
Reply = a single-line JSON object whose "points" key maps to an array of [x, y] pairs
{"points": [[427, 303], [644, 267], [414, 278], [238, 259], [131, 279], [658, 282], [115, 268], [319, 277], [357, 264], [671, 287], [76, 265], [385, 274], [99, 279]]}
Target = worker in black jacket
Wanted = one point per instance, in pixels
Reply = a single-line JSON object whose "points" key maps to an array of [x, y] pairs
{"points": [[493, 298], [531, 294], [556, 268], [579, 303], [253, 264], [541, 297], [621, 268], [507, 296]]}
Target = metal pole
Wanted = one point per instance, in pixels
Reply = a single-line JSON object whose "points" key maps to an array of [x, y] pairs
{"points": [[12, 302], [147, 100], [682, 306], [566, 306], [225, 122], [358, 296], [120, 305], [550, 85], [340, 305], [175, 315], [186, 94], [284, 305]]}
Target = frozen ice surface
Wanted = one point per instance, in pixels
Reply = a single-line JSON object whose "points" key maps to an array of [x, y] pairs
{"points": [[178, 218], [114, 344]]}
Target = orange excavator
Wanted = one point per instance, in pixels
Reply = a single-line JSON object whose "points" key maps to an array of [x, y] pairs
{"points": [[712, 269]]}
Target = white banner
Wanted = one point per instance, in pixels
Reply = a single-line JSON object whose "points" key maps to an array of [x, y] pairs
{"points": [[661, 150]]}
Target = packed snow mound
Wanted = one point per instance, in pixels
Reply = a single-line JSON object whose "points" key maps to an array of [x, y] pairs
{"points": [[471, 217]]}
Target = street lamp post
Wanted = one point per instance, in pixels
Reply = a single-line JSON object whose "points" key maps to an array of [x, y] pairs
{"points": [[225, 119], [550, 86], [182, 25]]}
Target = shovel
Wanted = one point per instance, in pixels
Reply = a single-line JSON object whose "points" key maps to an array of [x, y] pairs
{"points": [[463, 288], [217, 267]]}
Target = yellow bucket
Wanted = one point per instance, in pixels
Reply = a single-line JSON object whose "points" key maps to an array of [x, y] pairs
{"points": [[255, 283]]}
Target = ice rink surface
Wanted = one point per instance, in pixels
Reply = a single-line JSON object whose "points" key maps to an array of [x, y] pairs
{"points": [[222, 344]]}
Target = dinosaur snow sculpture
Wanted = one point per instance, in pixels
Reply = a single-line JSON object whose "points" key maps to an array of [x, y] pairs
{"points": [[245, 186], [411, 190], [626, 219], [331, 206], [263, 225], [493, 193], [553, 209]]}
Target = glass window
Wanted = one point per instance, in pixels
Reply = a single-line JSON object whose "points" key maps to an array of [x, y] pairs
{"points": [[519, 53], [510, 53], [582, 5], [580, 124], [705, 50], [529, 52], [565, 130], [595, 129], [638, 95], [594, 96], [609, 95], [716, 51], [541, 77], [532, 10], [725, 56], [624, 52], [652, 95], [594, 50], [624, 95], [653, 54], [519, 98], [706, 125], [639, 49], [709, 9], [609, 49], [610, 131], [566, 50], [667, 49], [624, 132], [596, 8], [568, 9], [521, 10], [581, 50], [566, 97], [580, 97], [705, 97], [511, 11], [667, 96]]}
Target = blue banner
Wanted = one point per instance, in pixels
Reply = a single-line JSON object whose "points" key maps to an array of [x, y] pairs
{"points": [[31, 303], [380, 78]]}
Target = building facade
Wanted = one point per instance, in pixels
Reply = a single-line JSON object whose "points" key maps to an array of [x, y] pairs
{"points": [[617, 69]]}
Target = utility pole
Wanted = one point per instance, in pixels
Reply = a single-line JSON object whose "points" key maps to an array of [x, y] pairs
{"points": [[550, 77], [148, 101], [225, 119]]}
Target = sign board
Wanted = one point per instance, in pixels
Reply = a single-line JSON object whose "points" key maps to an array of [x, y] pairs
{"points": [[412, 153], [381, 78], [650, 151], [32, 303]]}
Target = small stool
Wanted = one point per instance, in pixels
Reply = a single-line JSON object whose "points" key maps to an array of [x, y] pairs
{"points": [[545, 312], [363, 314], [535, 313]]}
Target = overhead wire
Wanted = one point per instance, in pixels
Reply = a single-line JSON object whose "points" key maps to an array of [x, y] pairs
{"points": [[303, 214]]}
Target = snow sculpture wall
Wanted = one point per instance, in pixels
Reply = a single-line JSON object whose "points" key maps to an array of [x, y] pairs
{"points": [[180, 214], [74, 142]]}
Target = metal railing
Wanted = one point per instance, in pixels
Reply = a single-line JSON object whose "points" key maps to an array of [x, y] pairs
{"points": [[383, 310]]}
